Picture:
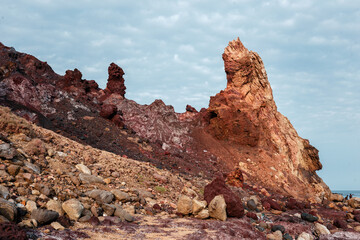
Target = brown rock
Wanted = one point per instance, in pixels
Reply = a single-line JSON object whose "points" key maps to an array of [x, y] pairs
{"points": [[55, 206], [184, 205], [13, 169], [73, 208], [354, 202], [43, 216], [336, 197], [108, 111], [217, 208], [116, 81], [233, 202]]}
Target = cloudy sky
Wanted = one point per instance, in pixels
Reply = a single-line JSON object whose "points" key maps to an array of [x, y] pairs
{"points": [[172, 50]]}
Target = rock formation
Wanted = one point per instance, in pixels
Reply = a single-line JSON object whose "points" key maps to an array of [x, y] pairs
{"points": [[241, 129], [245, 120]]}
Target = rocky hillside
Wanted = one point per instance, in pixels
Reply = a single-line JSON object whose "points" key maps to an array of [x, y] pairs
{"points": [[241, 128]]}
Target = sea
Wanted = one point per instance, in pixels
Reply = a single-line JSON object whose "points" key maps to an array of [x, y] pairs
{"points": [[355, 193]]}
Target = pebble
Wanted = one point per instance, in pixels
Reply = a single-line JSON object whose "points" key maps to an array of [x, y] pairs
{"points": [[84, 169], [4, 192], [101, 196], [86, 178], [120, 195], [57, 226]]}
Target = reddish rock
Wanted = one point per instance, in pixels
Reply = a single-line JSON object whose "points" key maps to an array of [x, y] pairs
{"points": [[108, 111], [235, 178], [266, 205], [118, 120], [291, 204], [273, 204], [191, 109], [252, 215], [340, 223], [245, 116], [116, 81], [357, 218], [234, 207]]}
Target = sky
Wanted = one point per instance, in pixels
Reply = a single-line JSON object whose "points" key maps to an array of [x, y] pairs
{"points": [[171, 50]]}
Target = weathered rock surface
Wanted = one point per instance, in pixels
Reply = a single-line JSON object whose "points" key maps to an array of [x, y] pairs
{"points": [[8, 210], [184, 205], [217, 208], [43, 216], [234, 207], [73, 208], [354, 202]]}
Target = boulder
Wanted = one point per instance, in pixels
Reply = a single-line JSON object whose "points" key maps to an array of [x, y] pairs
{"points": [[217, 208], [116, 81], [30, 206], [43, 216], [336, 197], [108, 111], [354, 202], [73, 208], [184, 205], [233, 202]]}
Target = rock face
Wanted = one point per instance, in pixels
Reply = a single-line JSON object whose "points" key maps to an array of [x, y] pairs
{"points": [[244, 117], [234, 207], [116, 81], [241, 132]]}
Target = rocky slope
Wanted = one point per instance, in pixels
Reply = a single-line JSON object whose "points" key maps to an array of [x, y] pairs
{"points": [[240, 129], [52, 187]]}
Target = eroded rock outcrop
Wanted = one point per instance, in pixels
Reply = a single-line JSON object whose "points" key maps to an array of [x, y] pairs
{"points": [[241, 130], [244, 117]]}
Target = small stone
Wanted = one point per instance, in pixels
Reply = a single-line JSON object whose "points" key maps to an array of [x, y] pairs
{"points": [[197, 206], [109, 209], [160, 178], [4, 192], [275, 228], [85, 218], [321, 229], [55, 206], [305, 236], [121, 196], [203, 214], [184, 205], [28, 177], [6, 151], [84, 169], [22, 191], [275, 236], [30, 223], [57, 226], [340, 223], [73, 208], [3, 219], [124, 215], [251, 204], [115, 174], [107, 180], [308, 217], [86, 178], [30, 206], [217, 208], [43, 216], [8, 209], [287, 236], [32, 167], [101, 196], [13, 169]]}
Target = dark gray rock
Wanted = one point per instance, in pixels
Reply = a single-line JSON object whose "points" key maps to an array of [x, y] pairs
{"points": [[251, 204], [308, 217], [44, 216], [281, 228]]}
